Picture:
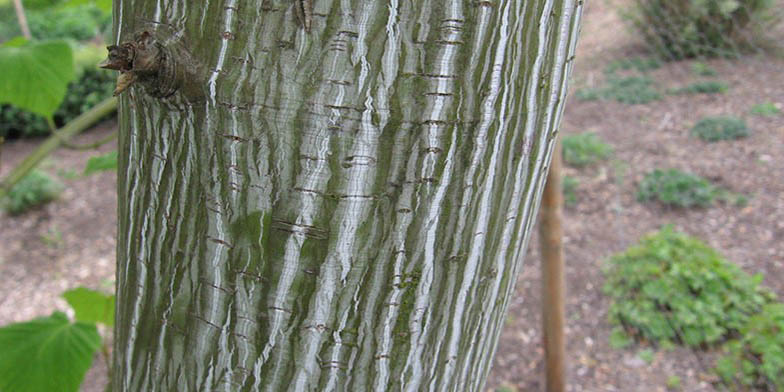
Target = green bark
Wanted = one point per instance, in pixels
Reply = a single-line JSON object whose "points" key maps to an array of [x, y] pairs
{"points": [[340, 210]]}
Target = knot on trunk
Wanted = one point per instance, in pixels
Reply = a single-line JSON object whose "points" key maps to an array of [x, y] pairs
{"points": [[161, 69]]}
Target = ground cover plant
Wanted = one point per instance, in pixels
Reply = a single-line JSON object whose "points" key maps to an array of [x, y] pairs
{"points": [[584, 149], [673, 288], [630, 90], [765, 109], [35, 189], [713, 129], [569, 186], [703, 87], [756, 358], [676, 188]]}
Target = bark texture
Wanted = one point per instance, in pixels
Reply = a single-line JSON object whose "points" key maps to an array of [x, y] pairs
{"points": [[339, 210]]}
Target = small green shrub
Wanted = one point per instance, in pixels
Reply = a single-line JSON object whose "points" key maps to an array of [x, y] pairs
{"points": [[702, 69], [35, 189], [713, 129], [569, 187], [632, 90], [641, 64], [674, 382], [703, 87], [676, 188], [766, 109], [677, 29], [646, 355], [588, 94], [629, 90], [756, 359], [584, 149], [674, 288]]}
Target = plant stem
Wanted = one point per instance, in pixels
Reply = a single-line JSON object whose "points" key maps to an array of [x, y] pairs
{"points": [[76, 126], [20, 16]]}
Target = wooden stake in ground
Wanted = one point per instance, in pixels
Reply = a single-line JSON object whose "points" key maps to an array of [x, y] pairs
{"points": [[20, 16], [553, 287]]}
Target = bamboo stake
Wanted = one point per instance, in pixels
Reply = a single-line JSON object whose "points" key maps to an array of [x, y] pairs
{"points": [[553, 287]]}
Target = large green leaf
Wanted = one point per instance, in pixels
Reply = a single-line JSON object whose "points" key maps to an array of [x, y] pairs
{"points": [[46, 354], [91, 306], [34, 76]]}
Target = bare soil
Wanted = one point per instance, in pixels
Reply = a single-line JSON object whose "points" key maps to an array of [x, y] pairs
{"points": [[71, 242]]}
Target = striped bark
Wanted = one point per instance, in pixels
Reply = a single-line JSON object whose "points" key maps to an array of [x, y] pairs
{"points": [[340, 210]]}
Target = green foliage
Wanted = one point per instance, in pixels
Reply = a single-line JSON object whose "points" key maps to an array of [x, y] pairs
{"points": [[676, 188], [93, 86], [702, 69], [588, 94], [703, 87], [674, 382], [620, 339], [91, 306], [646, 355], [713, 129], [35, 189], [58, 21], [756, 359], [766, 109], [569, 188], [674, 288], [641, 64], [677, 29], [35, 75], [584, 149], [630, 90], [46, 354], [103, 5], [99, 163]]}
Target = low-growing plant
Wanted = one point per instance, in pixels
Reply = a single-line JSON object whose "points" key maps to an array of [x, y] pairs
{"points": [[641, 64], [703, 87], [756, 359], [674, 382], [646, 355], [713, 129], [584, 149], [676, 188], [766, 109], [677, 29], [588, 94], [35, 189], [673, 288], [569, 186], [631, 90], [702, 69]]}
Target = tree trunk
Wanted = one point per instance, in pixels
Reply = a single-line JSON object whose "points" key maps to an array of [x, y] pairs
{"points": [[343, 209]]}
